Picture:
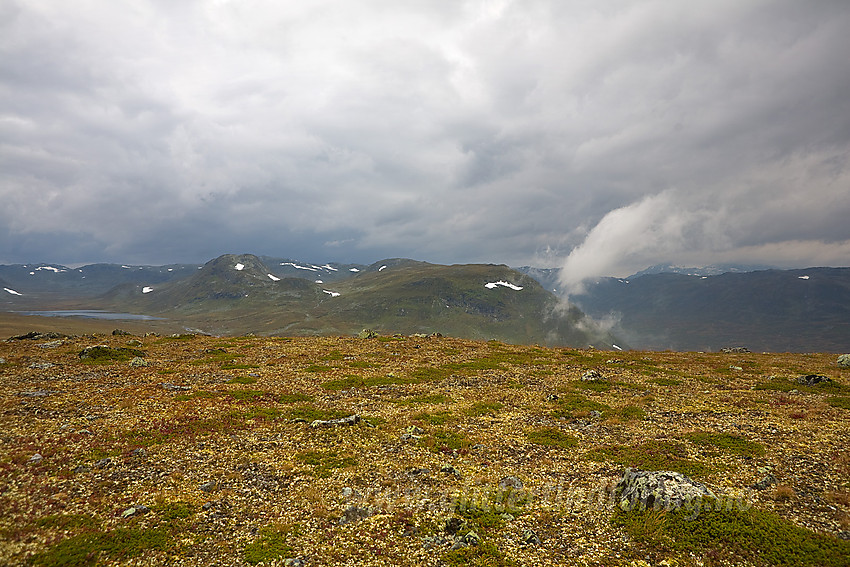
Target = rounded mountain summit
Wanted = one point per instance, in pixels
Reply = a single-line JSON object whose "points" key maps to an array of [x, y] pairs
{"points": [[242, 293]]}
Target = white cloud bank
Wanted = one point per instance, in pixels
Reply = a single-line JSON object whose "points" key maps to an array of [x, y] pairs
{"points": [[468, 131]]}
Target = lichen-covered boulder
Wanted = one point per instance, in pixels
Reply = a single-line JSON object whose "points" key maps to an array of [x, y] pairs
{"points": [[813, 380], [658, 489], [844, 361]]}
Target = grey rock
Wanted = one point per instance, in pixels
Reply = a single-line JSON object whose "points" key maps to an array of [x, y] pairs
{"points": [[294, 562], [530, 538], [344, 421], [36, 394], [120, 332], [449, 469], [174, 387], [658, 489], [735, 350], [347, 493], [139, 453], [42, 365], [592, 375], [432, 541], [367, 334], [552, 397], [138, 362], [813, 379], [208, 486], [843, 361], [767, 481], [134, 343], [414, 430], [471, 538], [81, 469], [51, 344], [510, 482], [103, 463], [2, 360], [36, 336], [135, 510], [354, 513], [37, 458], [419, 472]]}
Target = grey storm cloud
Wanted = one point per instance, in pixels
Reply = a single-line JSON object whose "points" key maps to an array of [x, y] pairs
{"points": [[598, 136]]}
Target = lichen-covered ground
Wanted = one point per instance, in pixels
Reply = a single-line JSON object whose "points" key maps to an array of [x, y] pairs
{"points": [[198, 450]]}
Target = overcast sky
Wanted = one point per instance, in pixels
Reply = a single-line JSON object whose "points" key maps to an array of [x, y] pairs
{"points": [[603, 136]]}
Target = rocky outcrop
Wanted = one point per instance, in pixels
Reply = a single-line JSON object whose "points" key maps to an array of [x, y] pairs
{"points": [[844, 361], [658, 489]]}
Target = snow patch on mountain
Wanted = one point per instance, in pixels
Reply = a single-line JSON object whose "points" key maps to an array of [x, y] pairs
{"points": [[332, 293], [239, 267], [492, 285], [297, 267], [147, 289], [273, 278], [12, 291]]}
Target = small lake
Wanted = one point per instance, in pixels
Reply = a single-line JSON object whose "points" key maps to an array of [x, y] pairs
{"points": [[91, 314]]}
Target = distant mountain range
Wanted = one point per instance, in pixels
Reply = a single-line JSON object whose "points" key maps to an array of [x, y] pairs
{"points": [[236, 294], [768, 310], [662, 307]]}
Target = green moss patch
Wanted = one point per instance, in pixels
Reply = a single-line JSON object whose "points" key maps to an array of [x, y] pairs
{"points": [[437, 418], [293, 398], [424, 399], [552, 437], [106, 355], [652, 455], [572, 405], [479, 409], [90, 548], [732, 536], [630, 413], [728, 443], [273, 544], [242, 380], [444, 441]]}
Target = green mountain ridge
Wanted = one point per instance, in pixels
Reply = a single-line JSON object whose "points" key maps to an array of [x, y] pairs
{"points": [[241, 294]]}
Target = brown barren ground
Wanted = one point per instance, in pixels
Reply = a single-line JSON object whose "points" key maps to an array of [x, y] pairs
{"points": [[206, 456]]}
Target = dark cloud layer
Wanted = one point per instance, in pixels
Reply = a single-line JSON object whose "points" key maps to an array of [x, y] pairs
{"points": [[598, 136]]}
